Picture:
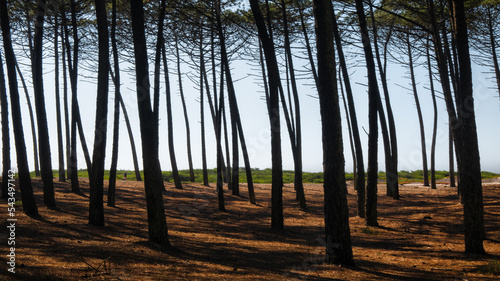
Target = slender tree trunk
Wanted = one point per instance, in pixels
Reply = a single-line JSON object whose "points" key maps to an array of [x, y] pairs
{"points": [[234, 106], [36, 157], [116, 113], [229, 171], [96, 206], [43, 130], [171, 149], [373, 98], [157, 226], [202, 113], [297, 149], [5, 132], [60, 145], [338, 237], [65, 96], [274, 118], [32, 121], [308, 45], [349, 127], [131, 138], [220, 109], [419, 113], [470, 168], [434, 130], [388, 131], [29, 204], [184, 107], [360, 166]]}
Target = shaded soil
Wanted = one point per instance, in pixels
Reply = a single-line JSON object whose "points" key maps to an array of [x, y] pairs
{"points": [[420, 238]]}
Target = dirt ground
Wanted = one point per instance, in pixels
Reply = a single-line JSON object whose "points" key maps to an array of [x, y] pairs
{"points": [[420, 238]]}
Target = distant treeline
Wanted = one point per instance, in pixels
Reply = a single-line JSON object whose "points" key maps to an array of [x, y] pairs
{"points": [[264, 175]]}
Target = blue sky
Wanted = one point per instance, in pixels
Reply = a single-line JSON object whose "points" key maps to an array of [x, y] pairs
{"points": [[256, 123]]}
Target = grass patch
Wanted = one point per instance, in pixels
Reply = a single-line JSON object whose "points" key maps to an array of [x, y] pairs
{"points": [[492, 268], [369, 231]]}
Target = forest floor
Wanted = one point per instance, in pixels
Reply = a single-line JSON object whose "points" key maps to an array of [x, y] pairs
{"points": [[420, 237]]}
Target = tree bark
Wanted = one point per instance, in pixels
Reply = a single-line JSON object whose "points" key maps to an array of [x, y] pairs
{"points": [[96, 206], [470, 168], [274, 118], [60, 145], [157, 225], [373, 98], [434, 130], [29, 205], [170, 129], [6, 162], [338, 237], [43, 130], [360, 166], [202, 113], [419, 113]]}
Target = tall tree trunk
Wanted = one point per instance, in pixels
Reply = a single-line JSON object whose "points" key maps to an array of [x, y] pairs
{"points": [[218, 132], [297, 149], [434, 130], [170, 129], [470, 168], [157, 225], [360, 166], [419, 113], [373, 98], [96, 206], [235, 112], [388, 131], [116, 113], [349, 127], [60, 145], [229, 171], [274, 118], [338, 237], [65, 96], [36, 157], [6, 162], [29, 204], [184, 107], [202, 113], [41, 115], [308, 45], [32, 121]]}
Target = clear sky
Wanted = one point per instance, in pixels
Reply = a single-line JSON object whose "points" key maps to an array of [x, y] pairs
{"points": [[256, 123]]}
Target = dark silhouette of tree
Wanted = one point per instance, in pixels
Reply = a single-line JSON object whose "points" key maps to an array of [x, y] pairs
{"points": [[157, 225], [43, 131], [373, 98], [338, 237], [96, 206], [29, 205], [5, 132], [435, 122], [274, 117], [60, 145]]}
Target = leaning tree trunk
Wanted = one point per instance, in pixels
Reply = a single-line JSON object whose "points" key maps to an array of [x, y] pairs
{"points": [[184, 107], [5, 132], [170, 129], [360, 166], [470, 168], [373, 98], [32, 121], [41, 115], [29, 204], [116, 113], [202, 114], [218, 133], [157, 225], [274, 118], [297, 149], [434, 130], [338, 236], [96, 206], [451, 153], [419, 113], [60, 145], [496, 67], [65, 99]]}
